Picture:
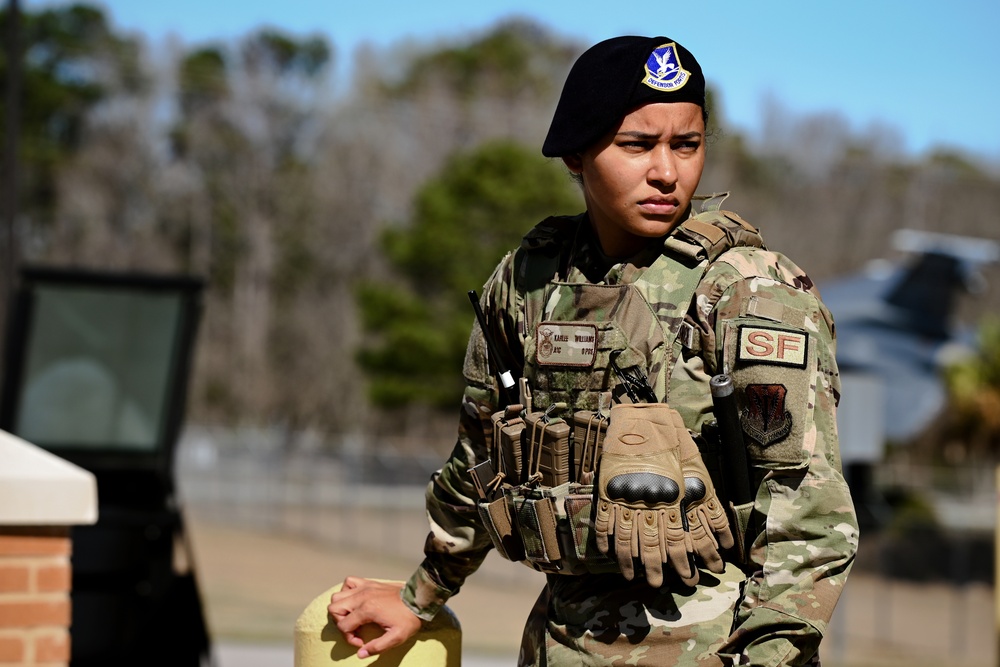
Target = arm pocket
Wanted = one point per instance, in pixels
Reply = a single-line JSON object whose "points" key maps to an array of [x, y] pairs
{"points": [[773, 367]]}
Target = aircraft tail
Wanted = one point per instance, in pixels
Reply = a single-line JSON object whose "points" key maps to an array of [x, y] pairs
{"points": [[943, 264]]}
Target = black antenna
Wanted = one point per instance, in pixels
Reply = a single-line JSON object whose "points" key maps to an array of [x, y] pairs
{"points": [[506, 379], [636, 386]]}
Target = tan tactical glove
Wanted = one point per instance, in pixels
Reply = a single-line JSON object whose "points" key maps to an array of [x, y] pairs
{"points": [[706, 519], [644, 501]]}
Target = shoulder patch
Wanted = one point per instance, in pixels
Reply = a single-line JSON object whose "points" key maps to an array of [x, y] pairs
{"points": [[768, 345], [765, 418]]}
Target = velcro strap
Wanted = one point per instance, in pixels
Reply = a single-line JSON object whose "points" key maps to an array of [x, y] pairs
{"points": [[711, 233], [742, 515], [766, 309], [740, 221]]}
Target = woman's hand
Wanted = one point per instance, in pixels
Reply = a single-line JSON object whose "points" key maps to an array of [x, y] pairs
{"points": [[363, 601]]}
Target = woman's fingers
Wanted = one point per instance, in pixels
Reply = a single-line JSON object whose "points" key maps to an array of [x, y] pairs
{"points": [[362, 602], [392, 637]]}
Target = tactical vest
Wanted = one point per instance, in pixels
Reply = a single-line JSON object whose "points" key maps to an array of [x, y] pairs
{"points": [[582, 343]]}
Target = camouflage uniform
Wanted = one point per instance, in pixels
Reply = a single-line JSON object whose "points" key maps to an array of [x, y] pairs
{"points": [[773, 606]]}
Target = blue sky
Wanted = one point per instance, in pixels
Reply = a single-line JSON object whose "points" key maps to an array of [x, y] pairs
{"points": [[929, 68]]}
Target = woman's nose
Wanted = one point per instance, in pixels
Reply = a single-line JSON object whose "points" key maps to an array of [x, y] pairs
{"points": [[662, 168]]}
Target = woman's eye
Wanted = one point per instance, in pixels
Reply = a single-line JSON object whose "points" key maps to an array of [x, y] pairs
{"points": [[687, 146]]}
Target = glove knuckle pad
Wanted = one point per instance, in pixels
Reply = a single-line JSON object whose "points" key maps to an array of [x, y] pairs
{"points": [[643, 487], [694, 489]]}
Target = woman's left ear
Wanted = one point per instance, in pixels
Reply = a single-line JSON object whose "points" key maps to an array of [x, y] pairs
{"points": [[573, 162]]}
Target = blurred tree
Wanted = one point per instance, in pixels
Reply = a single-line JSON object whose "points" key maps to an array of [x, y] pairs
{"points": [[71, 62], [247, 117], [415, 105], [411, 107], [973, 417], [464, 221], [512, 59], [234, 161]]}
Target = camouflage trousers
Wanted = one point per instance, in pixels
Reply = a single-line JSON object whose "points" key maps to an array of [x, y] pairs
{"points": [[604, 620]]}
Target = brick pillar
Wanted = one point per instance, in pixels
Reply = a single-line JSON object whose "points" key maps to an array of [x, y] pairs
{"points": [[34, 596], [41, 497]]}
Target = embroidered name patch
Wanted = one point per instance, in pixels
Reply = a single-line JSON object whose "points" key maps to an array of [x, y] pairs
{"points": [[772, 346], [561, 344]]}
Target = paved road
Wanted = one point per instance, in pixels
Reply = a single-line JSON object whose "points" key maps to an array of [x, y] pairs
{"points": [[229, 654], [233, 654]]}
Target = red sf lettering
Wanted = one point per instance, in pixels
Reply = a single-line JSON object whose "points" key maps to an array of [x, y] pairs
{"points": [[762, 344], [787, 343], [774, 346]]}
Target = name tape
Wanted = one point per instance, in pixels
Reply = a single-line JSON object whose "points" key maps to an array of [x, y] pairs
{"points": [[560, 344]]}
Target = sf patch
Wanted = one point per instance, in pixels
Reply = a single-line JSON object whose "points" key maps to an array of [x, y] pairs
{"points": [[765, 418], [773, 369], [767, 345]]}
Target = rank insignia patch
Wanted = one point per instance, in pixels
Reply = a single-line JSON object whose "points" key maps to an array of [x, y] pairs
{"points": [[663, 69], [765, 418], [765, 345]]}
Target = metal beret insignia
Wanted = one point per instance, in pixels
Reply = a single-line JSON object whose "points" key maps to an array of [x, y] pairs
{"points": [[663, 69]]}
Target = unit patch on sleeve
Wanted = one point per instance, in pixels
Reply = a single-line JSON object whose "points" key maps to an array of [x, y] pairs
{"points": [[771, 367], [564, 344], [766, 345], [765, 418]]}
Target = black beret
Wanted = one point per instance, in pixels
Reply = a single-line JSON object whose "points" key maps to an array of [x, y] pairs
{"points": [[613, 77]]}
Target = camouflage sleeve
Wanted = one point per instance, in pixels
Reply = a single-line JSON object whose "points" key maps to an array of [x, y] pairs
{"points": [[457, 542], [771, 333]]}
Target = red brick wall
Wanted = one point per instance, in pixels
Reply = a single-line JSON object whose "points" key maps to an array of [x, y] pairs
{"points": [[34, 596]]}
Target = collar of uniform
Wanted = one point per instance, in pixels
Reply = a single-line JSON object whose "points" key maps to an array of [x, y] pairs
{"points": [[598, 268]]}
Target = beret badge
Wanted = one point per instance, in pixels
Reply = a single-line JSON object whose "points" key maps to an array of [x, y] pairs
{"points": [[664, 70]]}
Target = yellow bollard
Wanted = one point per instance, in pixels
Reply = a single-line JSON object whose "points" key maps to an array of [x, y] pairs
{"points": [[318, 642]]}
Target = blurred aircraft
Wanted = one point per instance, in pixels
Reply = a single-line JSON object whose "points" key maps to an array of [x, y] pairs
{"points": [[895, 333], [895, 322]]}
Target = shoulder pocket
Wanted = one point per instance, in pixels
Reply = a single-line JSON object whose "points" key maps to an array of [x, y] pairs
{"points": [[772, 366]]}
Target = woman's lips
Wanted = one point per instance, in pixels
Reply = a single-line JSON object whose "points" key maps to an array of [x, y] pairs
{"points": [[659, 205]]}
